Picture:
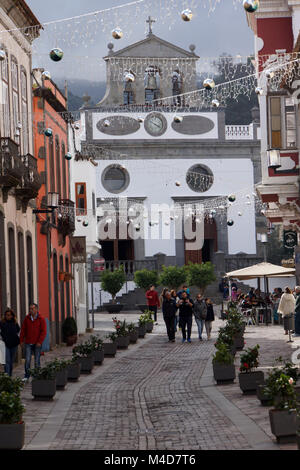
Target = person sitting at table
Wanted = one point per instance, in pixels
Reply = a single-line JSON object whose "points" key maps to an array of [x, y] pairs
{"points": [[246, 303]]}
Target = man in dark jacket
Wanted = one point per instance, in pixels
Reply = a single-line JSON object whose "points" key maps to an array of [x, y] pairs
{"points": [[186, 306], [33, 333], [297, 312], [169, 310]]}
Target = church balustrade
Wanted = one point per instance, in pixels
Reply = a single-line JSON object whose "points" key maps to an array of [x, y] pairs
{"points": [[239, 132], [131, 266]]}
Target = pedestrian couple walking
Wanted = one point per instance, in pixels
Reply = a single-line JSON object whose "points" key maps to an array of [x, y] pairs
{"points": [[32, 334], [202, 310]]}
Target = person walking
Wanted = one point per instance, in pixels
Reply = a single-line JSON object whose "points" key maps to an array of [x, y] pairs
{"points": [[297, 311], [162, 295], [286, 305], [184, 289], [200, 314], [174, 297], [169, 311], [153, 301], [9, 330], [186, 306], [210, 317], [33, 333]]}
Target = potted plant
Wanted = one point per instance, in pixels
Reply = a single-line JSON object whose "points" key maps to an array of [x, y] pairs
{"points": [[123, 339], [12, 426], [223, 364], [69, 330], [74, 369], [133, 331], [84, 354], [149, 321], [236, 324], [110, 348], [61, 369], [44, 382], [249, 378], [112, 282], [144, 279], [225, 336], [142, 328], [98, 350], [283, 417]]}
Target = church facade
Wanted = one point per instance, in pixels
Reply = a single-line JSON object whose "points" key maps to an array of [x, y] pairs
{"points": [[170, 154]]}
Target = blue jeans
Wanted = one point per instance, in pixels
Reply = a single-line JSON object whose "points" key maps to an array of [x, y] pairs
{"points": [[10, 354], [200, 324], [29, 350]]}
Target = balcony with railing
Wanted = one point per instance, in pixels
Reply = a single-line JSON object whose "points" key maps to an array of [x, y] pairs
{"points": [[11, 166], [66, 217], [31, 181], [236, 132]]}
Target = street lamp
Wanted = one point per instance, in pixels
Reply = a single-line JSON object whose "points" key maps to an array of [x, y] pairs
{"points": [[274, 158], [52, 204]]}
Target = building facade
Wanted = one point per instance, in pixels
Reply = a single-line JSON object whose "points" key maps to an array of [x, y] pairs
{"points": [[53, 228], [144, 156], [279, 109], [19, 178]]}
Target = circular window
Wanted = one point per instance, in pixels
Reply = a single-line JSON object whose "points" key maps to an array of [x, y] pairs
{"points": [[115, 179], [200, 178]]}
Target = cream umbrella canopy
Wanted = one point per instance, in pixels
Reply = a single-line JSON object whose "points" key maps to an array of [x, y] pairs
{"points": [[261, 270]]}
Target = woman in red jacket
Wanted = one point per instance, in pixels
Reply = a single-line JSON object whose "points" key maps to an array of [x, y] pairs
{"points": [[153, 301], [33, 333]]}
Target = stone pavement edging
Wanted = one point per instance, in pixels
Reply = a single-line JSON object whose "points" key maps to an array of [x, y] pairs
{"points": [[46, 435]]}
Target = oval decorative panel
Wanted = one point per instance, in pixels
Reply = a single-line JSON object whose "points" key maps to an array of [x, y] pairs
{"points": [[193, 125], [118, 125]]}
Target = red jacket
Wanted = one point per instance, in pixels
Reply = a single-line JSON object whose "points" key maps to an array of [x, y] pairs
{"points": [[33, 332], [152, 298]]}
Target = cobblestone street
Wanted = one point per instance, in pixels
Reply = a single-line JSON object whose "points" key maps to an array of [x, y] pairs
{"points": [[156, 396]]}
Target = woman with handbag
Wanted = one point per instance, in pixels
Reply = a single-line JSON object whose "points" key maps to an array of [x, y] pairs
{"points": [[210, 317], [200, 313], [9, 330]]}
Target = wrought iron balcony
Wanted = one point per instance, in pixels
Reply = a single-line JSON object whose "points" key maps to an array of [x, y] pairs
{"points": [[11, 166], [66, 217], [31, 181]]}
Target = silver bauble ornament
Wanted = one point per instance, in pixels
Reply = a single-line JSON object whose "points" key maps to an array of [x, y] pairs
{"points": [[230, 223], [117, 33], [76, 127], [209, 83], [240, 214], [129, 77], [178, 183], [2, 55], [178, 119], [215, 103], [270, 74], [46, 75], [187, 15], [68, 156], [231, 198], [141, 120], [48, 132], [56, 54], [251, 5], [259, 91], [106, 123], [213, 212], [85, 223]]}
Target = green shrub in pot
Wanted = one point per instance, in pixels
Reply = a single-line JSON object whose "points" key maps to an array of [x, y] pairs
{"points": [[223, 364], [249, 377]]}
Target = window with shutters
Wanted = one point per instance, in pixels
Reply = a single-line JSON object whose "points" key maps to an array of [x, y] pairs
{"points": [[282, 123], [81, 207], [5, 105]]}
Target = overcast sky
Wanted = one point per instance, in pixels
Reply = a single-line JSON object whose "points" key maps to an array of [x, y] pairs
{"points": [[84, 44]]}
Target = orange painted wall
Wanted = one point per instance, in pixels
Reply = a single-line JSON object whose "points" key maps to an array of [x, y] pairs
{"points": [[45, 113]]}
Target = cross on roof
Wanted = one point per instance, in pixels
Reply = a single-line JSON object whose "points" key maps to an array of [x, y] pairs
{"points": [[150, 21]]}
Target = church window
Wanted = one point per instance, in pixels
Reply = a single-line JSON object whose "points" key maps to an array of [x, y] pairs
{"points": [[199, 178], [115, 179], [81, 205]]}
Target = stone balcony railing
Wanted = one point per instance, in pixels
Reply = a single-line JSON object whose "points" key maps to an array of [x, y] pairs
{"points": [[235, 132]]}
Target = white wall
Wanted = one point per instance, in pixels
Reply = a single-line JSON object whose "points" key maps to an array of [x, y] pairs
{"points": [[155, 180]]}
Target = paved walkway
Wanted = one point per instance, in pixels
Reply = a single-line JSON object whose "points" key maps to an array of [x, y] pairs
{"points": [[156, 396]]}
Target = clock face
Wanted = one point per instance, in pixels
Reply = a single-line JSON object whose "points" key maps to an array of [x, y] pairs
{"points": [[155, 124]]}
